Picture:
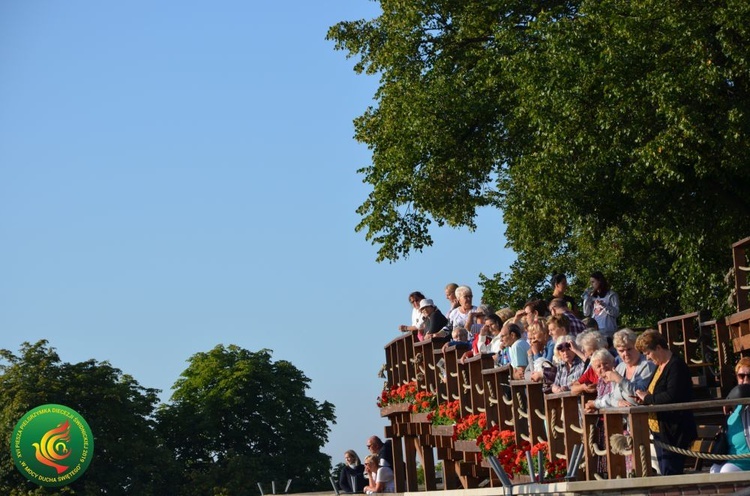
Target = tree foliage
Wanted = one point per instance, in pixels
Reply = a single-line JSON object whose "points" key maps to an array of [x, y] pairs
{"points": [[613, 135], [237, 419], [128, 458]]}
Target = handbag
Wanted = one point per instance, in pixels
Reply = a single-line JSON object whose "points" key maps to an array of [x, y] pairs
{"points": [[720, 445]]}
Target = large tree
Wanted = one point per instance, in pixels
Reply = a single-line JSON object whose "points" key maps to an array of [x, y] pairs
{"points": [[128, 458], [236, 419], [613, 135]]}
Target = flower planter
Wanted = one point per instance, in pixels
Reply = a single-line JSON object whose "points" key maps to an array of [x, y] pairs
{"points": [[394, 408], [441, 430], [420, 418], [521, 479], [466, 445]]}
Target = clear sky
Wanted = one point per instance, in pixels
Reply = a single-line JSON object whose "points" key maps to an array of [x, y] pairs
{"points": [[176, 175]]}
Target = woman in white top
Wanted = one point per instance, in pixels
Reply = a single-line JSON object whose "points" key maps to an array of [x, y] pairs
{"points": [[460, 314], [381, 478]]}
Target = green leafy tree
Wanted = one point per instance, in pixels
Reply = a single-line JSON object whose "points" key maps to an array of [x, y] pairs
{"points": [[613, 135], [128, 457], [237, 419]]}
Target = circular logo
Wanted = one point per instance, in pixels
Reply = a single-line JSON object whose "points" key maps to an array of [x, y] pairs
{"points": [[52, 445]]}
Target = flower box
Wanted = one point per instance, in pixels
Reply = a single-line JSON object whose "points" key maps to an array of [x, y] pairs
{"points": [[441, 430], [394, 408], [420, 418], [466, 446]]}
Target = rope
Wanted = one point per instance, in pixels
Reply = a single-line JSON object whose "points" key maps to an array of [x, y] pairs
{"points": [[698, 454]]}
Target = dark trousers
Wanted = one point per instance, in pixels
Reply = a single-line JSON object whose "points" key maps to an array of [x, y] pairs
{"points": [[670, 463]]}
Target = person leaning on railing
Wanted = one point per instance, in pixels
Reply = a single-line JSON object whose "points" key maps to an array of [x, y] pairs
{"points": [[738, 423], [671, 383], [353, 472], [380, 476]]}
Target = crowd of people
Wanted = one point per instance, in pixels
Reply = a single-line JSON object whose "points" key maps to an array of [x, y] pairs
{"points": [[579, 348]]}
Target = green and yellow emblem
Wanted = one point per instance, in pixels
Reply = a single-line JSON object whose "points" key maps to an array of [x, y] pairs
{"points": [[52, 445]]}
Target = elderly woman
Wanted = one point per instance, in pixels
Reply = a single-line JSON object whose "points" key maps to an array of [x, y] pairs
{"points": [[569, 366], [671, 383], [632, 373], [738, 423], [459, 315], [587, 343], [602, 362], [381, 477]]}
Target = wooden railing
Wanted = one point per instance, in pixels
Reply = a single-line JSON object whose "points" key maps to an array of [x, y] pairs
{"points": [[479, 386]]}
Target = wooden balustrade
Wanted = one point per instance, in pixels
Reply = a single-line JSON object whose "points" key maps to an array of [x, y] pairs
{"points": [[711, 348], [479, 386]]}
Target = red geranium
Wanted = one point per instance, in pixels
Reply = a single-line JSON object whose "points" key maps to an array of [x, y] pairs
{"points": [[447, 413], [470, 427]]}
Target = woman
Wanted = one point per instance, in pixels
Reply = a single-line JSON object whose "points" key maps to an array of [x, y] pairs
{"points": [[381, 478], [460, 314], [601, 303], [450, 295], [602, 362], [416, 314], [542, 346], [558, 325], [587, 343], [738, 423], [559, 285], [569, 367], [632, 373], [352, 476], [671, 383]]}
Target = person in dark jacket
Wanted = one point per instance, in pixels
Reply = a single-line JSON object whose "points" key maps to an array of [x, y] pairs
{"points": [[671, 383], [434, 320], [382, 449], [352, 476]]}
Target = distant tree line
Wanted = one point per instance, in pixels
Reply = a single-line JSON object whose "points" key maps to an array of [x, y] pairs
{"points": [[235, 418]]}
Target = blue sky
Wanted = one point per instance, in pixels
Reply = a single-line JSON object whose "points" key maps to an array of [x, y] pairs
{"points": [[175, 175]]}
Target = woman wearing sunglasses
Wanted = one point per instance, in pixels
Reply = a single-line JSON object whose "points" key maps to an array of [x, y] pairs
{"points": [[569, 366], [738, 423]]}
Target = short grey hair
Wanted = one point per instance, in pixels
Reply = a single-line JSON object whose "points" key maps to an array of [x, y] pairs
{"points": [[603, 356], [624, 337], [591, 339], [463, 291]]}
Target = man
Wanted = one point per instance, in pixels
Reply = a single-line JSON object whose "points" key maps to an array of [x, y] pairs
{"points": [[383, 450], [434, 320], [558, 306]]}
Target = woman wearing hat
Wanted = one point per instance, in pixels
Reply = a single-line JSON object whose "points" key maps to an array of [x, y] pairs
{"points": [[738, 423], [434, 320]]}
